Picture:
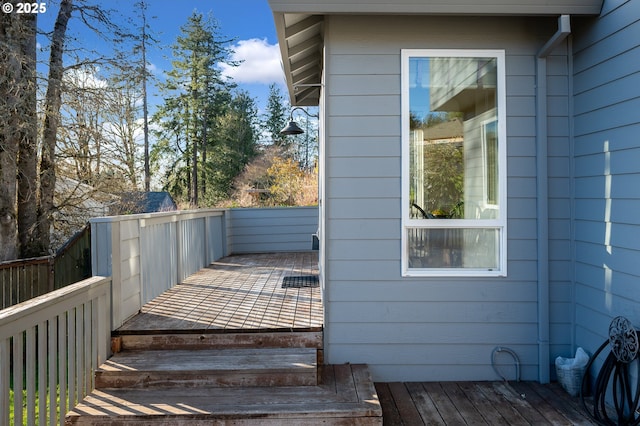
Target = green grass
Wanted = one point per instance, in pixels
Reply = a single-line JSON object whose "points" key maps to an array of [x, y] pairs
{"points": [[24, 406]]}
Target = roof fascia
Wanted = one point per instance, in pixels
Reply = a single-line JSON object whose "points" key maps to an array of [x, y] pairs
{"points": [[442, 7], [294, 60]]}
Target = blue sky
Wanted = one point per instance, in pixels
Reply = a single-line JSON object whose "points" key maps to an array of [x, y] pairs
{"points": [[249, 22]]}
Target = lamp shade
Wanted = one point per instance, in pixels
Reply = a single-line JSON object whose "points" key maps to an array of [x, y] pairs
{"points": [[292, 129]]}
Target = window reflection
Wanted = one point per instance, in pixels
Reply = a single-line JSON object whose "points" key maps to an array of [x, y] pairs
{"points": [[453, 248], [454, 161], [453, 137]]}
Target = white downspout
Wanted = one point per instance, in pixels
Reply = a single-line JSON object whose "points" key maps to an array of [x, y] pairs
{"points": [[542, 181]]}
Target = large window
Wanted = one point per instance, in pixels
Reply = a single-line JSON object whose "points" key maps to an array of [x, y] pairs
{"points": [[454, 163]]}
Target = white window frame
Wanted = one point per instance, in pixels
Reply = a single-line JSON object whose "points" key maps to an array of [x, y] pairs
{"points": [[500, 223], [485, 154]]}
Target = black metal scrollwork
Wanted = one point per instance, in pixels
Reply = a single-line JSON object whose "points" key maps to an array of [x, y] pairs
{"points": [[623, 339]]}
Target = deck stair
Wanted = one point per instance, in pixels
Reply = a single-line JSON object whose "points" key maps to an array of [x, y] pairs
{"points": [[209, 367], [225, 378]]}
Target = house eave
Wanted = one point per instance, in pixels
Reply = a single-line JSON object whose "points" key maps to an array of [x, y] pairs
{"points": [[300, 26], [301, 41], [445, 7]]}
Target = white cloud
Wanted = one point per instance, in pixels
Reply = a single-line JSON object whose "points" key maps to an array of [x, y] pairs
{"points": [[260, 62], [86, 78], [152, 68]]}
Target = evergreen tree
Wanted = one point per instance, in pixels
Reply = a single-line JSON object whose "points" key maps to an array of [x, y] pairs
{"points": [[276, 117], [191, 91], [237, 135], [207, 133]]}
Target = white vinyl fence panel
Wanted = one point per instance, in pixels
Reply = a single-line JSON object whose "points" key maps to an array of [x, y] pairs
{"points": [[147, 254]]}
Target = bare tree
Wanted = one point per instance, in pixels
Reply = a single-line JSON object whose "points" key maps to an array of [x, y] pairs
{"points": [[27, 151], [51, 121], [122, 131], [144, 37], [11, 58], [18, 138], [79, 140], [28, 199]]}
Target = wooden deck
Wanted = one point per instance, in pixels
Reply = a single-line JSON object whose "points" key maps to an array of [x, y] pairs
{"points": [[237, 309], [479, 403], [237, 293], [230, 345]]}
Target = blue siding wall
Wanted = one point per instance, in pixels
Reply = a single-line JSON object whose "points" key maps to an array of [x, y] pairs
{"points": [[435, 328], [607, 170], [271, 229]]}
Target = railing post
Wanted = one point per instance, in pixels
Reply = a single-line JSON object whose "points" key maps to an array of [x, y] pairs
{"points": [[223, 236], [179, 250], [51, 273], [5, 356], [116, 281], [207, 230]]}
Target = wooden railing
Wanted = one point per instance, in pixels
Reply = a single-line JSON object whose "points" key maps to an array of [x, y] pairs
{"points": [[53, 344], [24, 279], [73, 259]]}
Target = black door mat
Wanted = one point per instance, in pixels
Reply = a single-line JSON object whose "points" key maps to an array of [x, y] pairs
{"points": [[300, 281]]}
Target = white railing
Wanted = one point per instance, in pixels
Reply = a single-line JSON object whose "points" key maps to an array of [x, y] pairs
{"points": [[147, 254], [53, 344]]}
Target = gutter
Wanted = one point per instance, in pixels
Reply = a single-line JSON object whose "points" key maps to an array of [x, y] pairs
{"points": [[542, 183]]}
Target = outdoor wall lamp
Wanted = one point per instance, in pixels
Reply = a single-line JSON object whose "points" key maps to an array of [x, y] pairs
{"points": [[292, 128]]}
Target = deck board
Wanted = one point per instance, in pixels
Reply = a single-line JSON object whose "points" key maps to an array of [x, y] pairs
{"points": [[406, 406], [489, 413], [306, 404], [390, 412], [549, 413], [443, 404], [424, 404], [237, 293], [478, 403], [464, 405]]}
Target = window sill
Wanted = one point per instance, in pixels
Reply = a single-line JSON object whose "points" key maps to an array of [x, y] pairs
{"points": [[435, 272]]}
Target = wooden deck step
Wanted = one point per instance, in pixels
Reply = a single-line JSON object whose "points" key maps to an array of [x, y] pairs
{"points": [[209, 368], [210, 340], [346, 396]]}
